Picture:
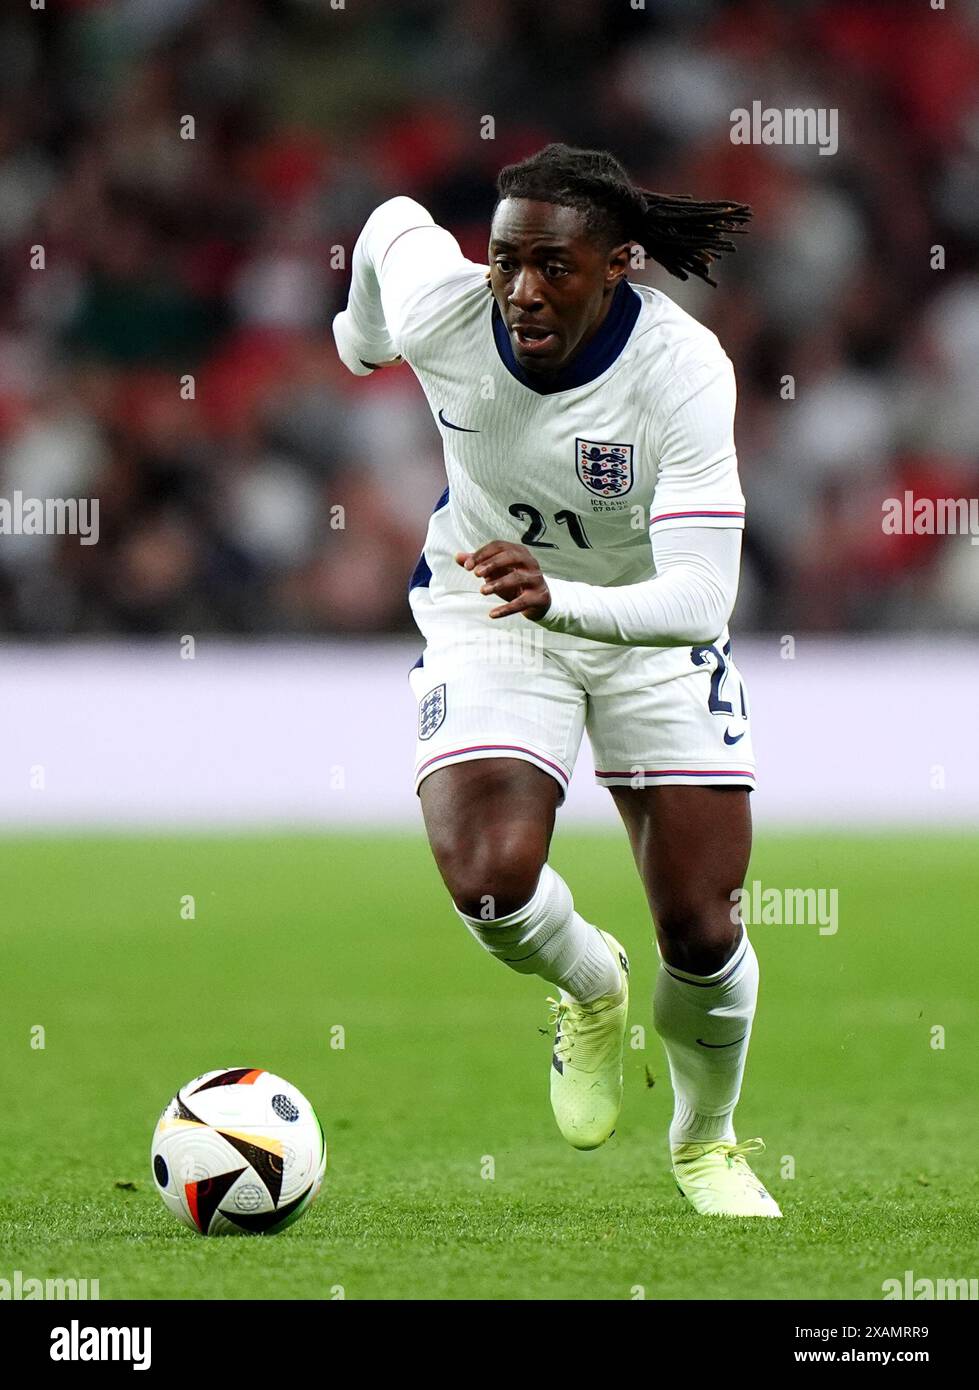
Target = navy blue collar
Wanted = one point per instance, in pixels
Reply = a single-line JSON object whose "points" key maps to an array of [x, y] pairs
{"points": [[595, 357]]}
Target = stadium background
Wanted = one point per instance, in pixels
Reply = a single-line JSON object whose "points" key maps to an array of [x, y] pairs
{"points": [[213, 256], [217, 257]]}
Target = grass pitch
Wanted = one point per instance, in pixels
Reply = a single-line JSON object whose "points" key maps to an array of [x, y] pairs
{"points": [[447, 1178]]}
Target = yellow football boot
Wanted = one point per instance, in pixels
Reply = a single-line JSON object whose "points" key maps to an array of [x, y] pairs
{"points": [[716, 1180], [586, 1068]]}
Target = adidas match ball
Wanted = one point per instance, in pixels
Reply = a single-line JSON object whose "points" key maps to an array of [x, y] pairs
{"points": [[238, 1150]]}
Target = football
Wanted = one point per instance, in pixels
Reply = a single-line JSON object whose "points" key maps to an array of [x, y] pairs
{"points": [[238, 1151]]}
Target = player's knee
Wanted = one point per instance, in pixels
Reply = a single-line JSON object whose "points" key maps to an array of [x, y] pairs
{"points": [[700, 936], [489, 877]]}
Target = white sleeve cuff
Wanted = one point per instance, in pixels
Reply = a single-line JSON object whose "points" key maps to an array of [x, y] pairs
{"points": [[355, 349]]}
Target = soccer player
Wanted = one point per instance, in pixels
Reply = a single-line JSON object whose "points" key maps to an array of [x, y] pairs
{"points": [[578, 573]]}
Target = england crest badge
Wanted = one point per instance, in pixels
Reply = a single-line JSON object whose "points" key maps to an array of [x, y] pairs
{"points": [[605, 469], [431, 712]]}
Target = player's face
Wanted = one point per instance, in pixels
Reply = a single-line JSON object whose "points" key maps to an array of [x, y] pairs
{"points": [[552, 281]]}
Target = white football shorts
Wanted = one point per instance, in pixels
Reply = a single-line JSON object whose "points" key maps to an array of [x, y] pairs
{"points": [[499, 689]]}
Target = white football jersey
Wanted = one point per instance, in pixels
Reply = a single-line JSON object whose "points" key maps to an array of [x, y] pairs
{"points": [[636, 434]]}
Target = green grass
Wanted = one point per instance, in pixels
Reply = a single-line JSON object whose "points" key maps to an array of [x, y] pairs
{"points": [[444, 1064]]}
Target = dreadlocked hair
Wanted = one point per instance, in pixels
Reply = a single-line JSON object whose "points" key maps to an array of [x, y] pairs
{"points": [[682, 235]]}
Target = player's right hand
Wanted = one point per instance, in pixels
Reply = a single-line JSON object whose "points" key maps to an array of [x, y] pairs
{"points": [[510, 571], [352, 344]]}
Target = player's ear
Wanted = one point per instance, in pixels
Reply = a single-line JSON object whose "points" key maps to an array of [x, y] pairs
{"points": [[618, 264]]}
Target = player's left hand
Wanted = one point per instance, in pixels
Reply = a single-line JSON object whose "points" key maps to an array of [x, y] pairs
{"points": [[510, 570]]}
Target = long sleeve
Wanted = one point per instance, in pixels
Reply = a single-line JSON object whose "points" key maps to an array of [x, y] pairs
{"points": [[689, 600], [399, 254]]}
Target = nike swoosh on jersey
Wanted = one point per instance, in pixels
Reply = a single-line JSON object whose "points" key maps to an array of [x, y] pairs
{"points": [[729, 739], [451, 426], [730, 1044]]}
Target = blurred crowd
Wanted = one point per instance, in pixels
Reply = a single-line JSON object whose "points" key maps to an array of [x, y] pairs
{"points": [[168, 286]]}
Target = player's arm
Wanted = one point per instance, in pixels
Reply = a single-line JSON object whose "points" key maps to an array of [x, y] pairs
{"points": [[695, 528], [398, 256], [689, 600]]}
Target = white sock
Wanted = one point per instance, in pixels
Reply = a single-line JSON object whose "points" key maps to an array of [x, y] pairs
{"points": [[691, 1011], [547, 937]]}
